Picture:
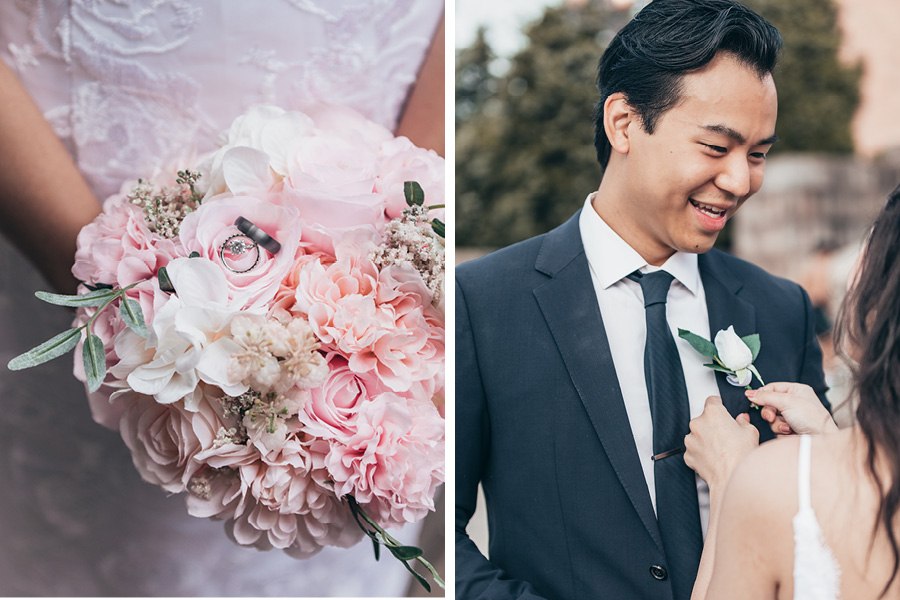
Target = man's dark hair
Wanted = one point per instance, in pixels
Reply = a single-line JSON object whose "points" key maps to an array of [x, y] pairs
{"points": [[668, 38]]}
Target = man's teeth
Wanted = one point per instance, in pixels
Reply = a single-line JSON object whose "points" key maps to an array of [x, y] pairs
{"points": [[714, 212]]}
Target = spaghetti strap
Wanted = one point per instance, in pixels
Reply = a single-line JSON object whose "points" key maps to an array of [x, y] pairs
{"points": [[803, 473]]}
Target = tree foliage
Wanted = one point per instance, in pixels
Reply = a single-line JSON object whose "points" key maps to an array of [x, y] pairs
{"points": [[525, 160], [817, 94]]}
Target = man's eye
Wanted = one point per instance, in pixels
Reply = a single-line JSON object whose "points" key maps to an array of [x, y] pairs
{"points": [[758, 155], [717, 149]]}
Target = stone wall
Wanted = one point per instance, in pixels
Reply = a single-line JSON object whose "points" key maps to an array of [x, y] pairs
{"points": [[808, 201]]}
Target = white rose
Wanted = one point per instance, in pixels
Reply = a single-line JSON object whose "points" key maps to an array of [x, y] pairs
{"points": [[734, 353]]}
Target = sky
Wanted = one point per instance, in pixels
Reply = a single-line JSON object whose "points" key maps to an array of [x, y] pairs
{"points": [[503, 19]]}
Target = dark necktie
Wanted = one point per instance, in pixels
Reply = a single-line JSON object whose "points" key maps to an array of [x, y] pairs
{"points": [[677, 508]]}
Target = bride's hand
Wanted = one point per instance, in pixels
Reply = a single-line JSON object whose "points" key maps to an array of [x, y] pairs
{"points": [[792, 408], [718, 442]]}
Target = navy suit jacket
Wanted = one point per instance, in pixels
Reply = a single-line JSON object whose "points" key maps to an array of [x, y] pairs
{"points": [[541, 424]]}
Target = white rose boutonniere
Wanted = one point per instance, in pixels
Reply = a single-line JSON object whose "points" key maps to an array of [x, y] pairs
{"points": [[729, 354]]}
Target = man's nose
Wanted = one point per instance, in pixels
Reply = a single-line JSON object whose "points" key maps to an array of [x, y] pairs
{"points": [[734, 176]]}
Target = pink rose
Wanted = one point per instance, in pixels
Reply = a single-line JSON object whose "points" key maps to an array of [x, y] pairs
{"points": [[164, 439], [333, 176], [394, 462], [208, 228], [118, 249], [404, 161], [331, 410]]}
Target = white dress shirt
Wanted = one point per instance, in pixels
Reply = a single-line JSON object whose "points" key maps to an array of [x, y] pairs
{"points": [[621, 302]]}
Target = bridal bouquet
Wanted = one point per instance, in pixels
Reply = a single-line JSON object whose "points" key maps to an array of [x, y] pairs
{"points": [[265, 329]]}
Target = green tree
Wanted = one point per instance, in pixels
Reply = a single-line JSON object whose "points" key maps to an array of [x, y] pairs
{"points": [[474, 82], [817, 94], [525, 161]]}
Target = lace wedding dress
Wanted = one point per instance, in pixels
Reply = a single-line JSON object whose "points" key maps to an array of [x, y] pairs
{"points": [[126, 85]]}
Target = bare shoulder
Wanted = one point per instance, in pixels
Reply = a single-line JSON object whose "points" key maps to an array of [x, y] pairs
{"points": [[768, 475], [758, 507]]}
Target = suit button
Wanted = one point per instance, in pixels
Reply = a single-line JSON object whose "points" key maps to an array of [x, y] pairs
{"points": [[659, 572]]}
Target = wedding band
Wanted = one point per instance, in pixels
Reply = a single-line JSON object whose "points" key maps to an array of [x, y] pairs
{"points": [[231, 251], [257, 235]]}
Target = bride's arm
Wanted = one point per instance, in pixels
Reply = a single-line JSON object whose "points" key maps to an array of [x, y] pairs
{"points": [[422, 120], [44, 201]]}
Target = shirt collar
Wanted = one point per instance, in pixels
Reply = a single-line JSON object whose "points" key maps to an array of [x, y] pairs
{"points": [[611, 258]]}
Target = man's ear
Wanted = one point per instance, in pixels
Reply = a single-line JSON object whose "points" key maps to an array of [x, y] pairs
{"points": [[617, 116]]}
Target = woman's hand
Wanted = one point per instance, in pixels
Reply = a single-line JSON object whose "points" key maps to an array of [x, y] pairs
{"points": [[792, 408], [718, 442]]}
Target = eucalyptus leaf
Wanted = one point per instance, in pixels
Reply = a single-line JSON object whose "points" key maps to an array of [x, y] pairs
{"points": [[98, 286], [133, 316], [406, 552], [415, 195], [422, 581], [52, 348], [438, 226], [701, 345], [377, 547], [94, 361], [95, 298], [753, 343]]}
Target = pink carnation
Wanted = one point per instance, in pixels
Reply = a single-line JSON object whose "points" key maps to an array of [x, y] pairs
{"points": [[284, 503], [375, 319], [394, 462], [118, 249]]}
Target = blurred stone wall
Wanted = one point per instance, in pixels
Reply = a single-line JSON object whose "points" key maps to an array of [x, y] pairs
{"points": [[808, 201]]}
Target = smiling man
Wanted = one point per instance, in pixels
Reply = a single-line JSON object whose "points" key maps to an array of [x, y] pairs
{"points": [[573, 391]]}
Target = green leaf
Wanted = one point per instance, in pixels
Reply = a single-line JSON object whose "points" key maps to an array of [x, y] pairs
{"points": [[52, 348], [701, 345], [406, 552], [438, 226], [99, 286], [94, 361], [97, 298], [133, 316], [719, 368], [377, 547], [165, 284], [194, 254], [415, 195], [753, 343], [755, 372], [422, 581]]}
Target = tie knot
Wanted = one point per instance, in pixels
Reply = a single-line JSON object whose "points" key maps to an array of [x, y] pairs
{"points": [[655, 286]]}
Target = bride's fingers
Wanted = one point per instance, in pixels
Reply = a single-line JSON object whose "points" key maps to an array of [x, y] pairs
{"points": [[768, 414]]}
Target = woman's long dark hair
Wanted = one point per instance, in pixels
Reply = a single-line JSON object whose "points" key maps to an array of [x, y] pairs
{"points": [[869, 323]]}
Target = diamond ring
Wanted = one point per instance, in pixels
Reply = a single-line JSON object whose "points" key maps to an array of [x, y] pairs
{"points": [[239, 253]]}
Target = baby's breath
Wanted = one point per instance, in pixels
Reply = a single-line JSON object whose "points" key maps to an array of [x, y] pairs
{"points": [[165, 208], [411, 240]]}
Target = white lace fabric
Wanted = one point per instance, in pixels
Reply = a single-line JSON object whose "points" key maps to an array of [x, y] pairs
{"points": [[817, 575], [130, 86]]}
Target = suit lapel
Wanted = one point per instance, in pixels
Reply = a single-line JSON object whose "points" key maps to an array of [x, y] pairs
{"points": [[726, 308], [569, 305]]}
